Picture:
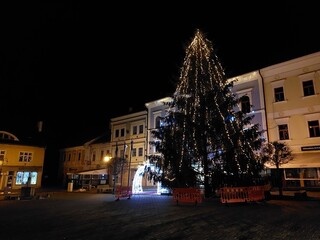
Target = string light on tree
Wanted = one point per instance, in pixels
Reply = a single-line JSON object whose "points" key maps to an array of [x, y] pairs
{"points": [[203, 141]]}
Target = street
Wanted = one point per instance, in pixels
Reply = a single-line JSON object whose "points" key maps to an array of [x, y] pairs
{"points": [[77, 216]]}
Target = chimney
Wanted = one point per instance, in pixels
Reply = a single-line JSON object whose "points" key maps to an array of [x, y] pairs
{"points": [[40, 124]]}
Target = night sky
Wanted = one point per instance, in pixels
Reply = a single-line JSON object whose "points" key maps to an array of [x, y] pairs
{"points": [[76, 64]]}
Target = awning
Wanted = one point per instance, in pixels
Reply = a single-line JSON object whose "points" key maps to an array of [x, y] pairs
{"points": [[93, 172], [301, 160]]}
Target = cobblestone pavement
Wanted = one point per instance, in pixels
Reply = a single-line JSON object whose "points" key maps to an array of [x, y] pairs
{"points": [[77, 216]]}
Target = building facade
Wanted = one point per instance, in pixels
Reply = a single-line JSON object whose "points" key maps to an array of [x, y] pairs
{"points": [[21, 163], [249, 89], [118, 161], [292, 96], [85, 166], [284, 99]]}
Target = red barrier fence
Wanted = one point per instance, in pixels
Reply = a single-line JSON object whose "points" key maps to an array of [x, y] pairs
{"points": [[234, 194], [243, 194], [123, 192], [187, 195]]}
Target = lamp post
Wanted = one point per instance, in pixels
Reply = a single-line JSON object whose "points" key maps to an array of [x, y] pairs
{"points": [[123, 162], [1, 174], [129, 169], [107, 159]]}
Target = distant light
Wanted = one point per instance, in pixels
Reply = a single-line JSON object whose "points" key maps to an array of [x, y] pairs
{"points": [[107, 158]]}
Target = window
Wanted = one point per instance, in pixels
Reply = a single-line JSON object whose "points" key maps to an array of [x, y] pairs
{"points": [[134, 152], [25, 157], [158, 122], [94, 156], [137, 129], [140, 152], [314, 129], [122, 132], [24, 177], [283, 128], [308, 88], [9, 136], [279, 94], [283, 132], [301, 173], [119, 132], [245, 104], [101, 155], [140, 129], [33, 177], [79, 156], [2, 155], [134, 130], [245, 98]]}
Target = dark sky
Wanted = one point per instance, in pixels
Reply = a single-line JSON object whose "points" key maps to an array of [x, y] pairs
{"points": [[76, 64]]}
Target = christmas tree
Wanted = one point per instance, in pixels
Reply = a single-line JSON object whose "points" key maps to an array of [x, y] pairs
{"points": [[203, 141]]}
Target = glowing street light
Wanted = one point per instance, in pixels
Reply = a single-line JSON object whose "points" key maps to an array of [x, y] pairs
{"points": [[107, 159]]}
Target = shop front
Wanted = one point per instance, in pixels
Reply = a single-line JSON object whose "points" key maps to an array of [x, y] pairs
{"points": [[302, 172], [87, 179]]}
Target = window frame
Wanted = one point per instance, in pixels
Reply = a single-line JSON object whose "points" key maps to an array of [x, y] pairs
{"points": [[245, 92], [283, 132], [278, 96], [305, 78], [314, 130]]}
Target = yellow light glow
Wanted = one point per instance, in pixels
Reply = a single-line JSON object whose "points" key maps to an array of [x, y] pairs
{"points": [[107, 158]]}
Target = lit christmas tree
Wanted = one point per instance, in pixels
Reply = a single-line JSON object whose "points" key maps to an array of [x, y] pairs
{"points": [[203, 142]]}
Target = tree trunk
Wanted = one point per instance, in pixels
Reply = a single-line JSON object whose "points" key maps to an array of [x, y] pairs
{"points": [[279, 177], [207, 186]]}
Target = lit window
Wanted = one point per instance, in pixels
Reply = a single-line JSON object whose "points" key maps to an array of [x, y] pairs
{"points": [[24, 177]]}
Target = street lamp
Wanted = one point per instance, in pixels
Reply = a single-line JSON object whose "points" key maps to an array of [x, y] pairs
{"points": [[107, 159], [1, 164], [129, 169], [3, 161]]}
